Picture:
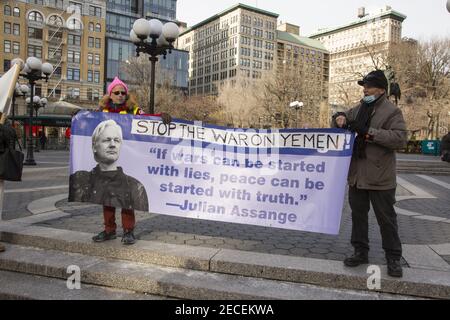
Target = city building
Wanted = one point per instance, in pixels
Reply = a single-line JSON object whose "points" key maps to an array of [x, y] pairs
{"points": [[68, 34], [356, 49], [308, 56], [247, 42], [240, 41], [120, 16]]}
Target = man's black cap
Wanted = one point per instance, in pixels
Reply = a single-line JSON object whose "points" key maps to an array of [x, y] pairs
{"points": [[375, 79]]}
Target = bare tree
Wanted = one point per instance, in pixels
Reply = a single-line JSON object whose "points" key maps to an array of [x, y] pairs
{"points": [[138, 70], [423, 71]]}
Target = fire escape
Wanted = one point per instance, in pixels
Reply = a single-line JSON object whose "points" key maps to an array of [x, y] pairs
{"points": [[56, 42]]}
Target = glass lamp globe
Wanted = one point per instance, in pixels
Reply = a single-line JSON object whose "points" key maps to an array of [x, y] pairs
{"points": [[47, 68], [170, 31], [141, 28], [34, 63], [156, 28]]}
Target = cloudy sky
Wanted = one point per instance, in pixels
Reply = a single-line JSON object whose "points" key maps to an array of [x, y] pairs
{"points": [[426, 18]]}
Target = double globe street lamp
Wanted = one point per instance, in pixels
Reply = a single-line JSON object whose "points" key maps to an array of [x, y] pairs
{"points": [[155, 39], [33, 70], [38, 103]]}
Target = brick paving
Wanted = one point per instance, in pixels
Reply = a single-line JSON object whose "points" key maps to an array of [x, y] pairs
{"points": [[88, 218]]}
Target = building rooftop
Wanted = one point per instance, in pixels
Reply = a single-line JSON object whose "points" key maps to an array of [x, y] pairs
{"points": [[390, 12], [303, 41], [237, 6]]}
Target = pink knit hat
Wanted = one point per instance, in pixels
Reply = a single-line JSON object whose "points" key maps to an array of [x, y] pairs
{"points": [[116, 82]]}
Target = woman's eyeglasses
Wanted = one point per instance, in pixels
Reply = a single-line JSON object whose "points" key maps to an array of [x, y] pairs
{"points": [[122, 93]]}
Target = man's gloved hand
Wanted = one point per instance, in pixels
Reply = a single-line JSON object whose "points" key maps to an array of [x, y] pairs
{"points": [[354, 126], [166, 118]]}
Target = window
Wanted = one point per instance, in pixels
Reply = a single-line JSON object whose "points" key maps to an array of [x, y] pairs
{"points": [[97, 76], [16, 29], [97, 59], [56, 3], [73, 93], [73, 74], [73, 56], [91, 26], [35, 51], [7, 46], [95, 11], [34, 33], [77, 6], [90, 58], [16, 47], [57, 72], [7, 28], [41, 2], [54, 53], [16, 12], [56, 21], [97, 43], [74, 40], [98, 27], [35, 16], [90, 42], [89, 76], [7, 10], [6, 65], [74, 24], [95, 95]]}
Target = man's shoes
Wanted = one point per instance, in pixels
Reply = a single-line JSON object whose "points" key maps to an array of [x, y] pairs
{"points": [[104, 236], [357, 259], [128, 238], [394, 268], [2, 247]]}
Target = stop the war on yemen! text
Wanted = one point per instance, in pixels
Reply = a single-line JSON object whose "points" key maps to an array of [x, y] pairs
{"points": [[238, 138]]}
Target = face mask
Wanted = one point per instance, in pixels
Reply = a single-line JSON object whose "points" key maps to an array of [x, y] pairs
{"points": [[369, 99]]}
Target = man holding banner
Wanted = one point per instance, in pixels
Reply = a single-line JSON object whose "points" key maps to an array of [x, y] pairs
{"points": [[381, 130]]}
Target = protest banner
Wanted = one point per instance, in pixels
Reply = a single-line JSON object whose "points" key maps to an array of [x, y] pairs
{"points": [[291, 179]]}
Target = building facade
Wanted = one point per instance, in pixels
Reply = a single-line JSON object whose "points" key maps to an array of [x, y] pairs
{"points": [[120, 16], [307, 56], [240, 41], [247, 42], [68, 34], [358, 48]]}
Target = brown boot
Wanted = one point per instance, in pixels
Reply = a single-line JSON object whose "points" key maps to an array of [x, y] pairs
{"points": [[2, 247]]}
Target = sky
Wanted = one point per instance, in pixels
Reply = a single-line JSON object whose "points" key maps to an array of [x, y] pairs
{"points": [[425, 18]]}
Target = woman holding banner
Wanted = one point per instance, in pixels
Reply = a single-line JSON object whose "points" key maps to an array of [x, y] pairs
{"points": [[118, 100]]}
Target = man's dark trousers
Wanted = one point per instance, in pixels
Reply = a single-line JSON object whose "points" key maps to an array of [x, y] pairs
{"points": [[383, 204]]}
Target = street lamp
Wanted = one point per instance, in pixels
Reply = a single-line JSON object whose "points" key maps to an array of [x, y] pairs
{"points": [[33, 70], [155, 39], [20, 91], [38, 103], [297, 105]]}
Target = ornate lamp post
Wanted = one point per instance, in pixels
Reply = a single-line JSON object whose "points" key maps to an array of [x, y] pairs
{"points": [[33, 70], [297, 106], [38, 103], [155, 39]]}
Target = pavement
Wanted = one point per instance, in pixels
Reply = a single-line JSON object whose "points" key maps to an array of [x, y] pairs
{"points": [[423, 207]]}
